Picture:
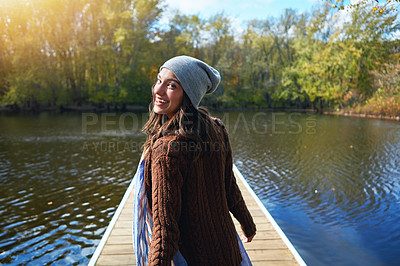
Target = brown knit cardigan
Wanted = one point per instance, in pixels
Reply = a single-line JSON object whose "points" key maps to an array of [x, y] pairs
{"points": [[191, 199]]}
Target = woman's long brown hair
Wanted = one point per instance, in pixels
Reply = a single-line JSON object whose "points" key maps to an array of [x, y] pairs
{"points": [[188, 122]]}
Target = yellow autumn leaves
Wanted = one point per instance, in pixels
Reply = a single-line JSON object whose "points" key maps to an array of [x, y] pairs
{"points": [[389, 5]]}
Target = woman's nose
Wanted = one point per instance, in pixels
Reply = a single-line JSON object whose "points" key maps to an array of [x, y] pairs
{"points": [[159, 88]]}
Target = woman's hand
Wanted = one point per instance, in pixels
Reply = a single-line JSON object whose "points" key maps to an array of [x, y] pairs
{"points": [[246, 239]]}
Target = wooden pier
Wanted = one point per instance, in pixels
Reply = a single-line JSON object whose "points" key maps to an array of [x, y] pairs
{"points": [[270, 246]]}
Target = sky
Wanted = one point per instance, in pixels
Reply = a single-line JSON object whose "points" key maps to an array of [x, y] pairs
{"points": [[241, 10]]}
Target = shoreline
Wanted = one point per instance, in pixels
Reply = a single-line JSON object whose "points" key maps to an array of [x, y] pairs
{"points": [[142, 108], [75, 108], [373, 116]]}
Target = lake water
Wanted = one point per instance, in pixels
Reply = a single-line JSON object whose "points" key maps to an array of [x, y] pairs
{"points": [[331, 183]]}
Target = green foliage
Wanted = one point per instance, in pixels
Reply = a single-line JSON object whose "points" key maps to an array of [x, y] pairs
{"points": [[62, 52], [373, 6], [77, 51]]}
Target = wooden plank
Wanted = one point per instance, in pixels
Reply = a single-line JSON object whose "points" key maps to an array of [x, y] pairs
{"points": [[123, 259], [273, 263], [267, 247], [118, 249]]}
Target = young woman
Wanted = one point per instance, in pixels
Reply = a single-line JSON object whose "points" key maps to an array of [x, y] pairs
{"points": [[187, 175]]}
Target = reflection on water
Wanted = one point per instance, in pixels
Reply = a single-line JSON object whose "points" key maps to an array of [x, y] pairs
{"points": [[60, 186], [332, 183]]}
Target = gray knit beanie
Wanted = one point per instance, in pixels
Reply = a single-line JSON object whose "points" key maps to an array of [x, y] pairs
{"points": [[196, 77]]}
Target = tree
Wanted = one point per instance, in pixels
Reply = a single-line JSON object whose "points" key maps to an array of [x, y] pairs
{"points": [[96, 51], [376, 6]]}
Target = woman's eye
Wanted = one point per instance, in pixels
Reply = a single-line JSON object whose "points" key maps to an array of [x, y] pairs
{"points": [[172, 86], [158, 80]]}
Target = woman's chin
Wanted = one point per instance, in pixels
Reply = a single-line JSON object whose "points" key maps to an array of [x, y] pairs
{"points": [[158, 110]]}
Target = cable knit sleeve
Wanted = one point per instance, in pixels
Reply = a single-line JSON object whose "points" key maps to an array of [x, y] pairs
{"points": [[236, 203], [166, 204]]}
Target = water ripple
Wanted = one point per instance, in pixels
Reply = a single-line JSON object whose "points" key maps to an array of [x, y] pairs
{"points": [[335, 190], [57, 198], [346, 175]]}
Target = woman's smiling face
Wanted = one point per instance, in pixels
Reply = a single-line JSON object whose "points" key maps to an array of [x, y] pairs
{"points": [[167, 93]]}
